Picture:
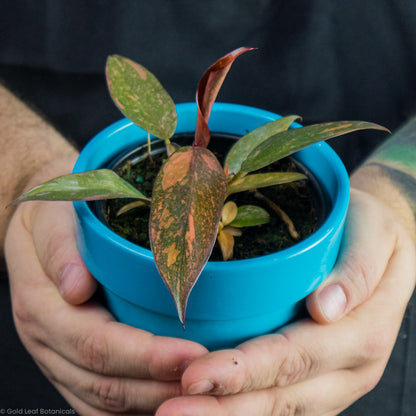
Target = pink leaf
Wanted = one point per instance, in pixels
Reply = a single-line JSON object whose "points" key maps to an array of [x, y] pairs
{"points": [[207, 92]]}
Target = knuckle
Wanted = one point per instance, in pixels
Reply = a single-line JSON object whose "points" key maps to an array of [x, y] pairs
{"points": [[109, 394], [56, 251], [26, 324], [94, 353], [296, 366], [292, 363], [358, 275], [284, 406], [21, 314]]}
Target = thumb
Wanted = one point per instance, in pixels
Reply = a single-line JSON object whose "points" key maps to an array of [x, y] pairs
{"points": [[53, 232], [369, 241]]}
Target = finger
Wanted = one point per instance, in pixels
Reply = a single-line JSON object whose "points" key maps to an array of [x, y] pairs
{"points": [[52, 228], [87, 335], [369, 241], [91, 339], [323, 396], [114, 349], [273, 360], [307, 349], [105, 393], [83, 408]]}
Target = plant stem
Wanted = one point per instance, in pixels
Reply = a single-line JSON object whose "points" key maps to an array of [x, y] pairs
{"points": [[284, 217], [149, 147]]}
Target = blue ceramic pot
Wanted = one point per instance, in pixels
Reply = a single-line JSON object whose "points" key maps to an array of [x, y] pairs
{"points": [[231, 301]]}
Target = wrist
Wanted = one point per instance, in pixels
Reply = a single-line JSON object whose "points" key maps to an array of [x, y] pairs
{"points": [[377, 181], [32, 151]]}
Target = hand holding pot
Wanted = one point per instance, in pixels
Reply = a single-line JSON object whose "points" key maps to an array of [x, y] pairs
{"points": [[310, 368], [97, 364]]}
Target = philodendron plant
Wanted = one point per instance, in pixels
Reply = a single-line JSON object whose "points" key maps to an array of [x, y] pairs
{"points": [[189, 210]]}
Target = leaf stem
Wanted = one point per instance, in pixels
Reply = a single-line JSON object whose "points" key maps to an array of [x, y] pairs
{"points": [[279, 211], [149, 147]]}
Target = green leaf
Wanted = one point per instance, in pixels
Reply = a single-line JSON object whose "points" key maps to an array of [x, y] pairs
{"points": [[188, 196], [250, 216], [285, 143], [140, 96], [244, 146], [207, 92], [261, 180], [86, 186]]}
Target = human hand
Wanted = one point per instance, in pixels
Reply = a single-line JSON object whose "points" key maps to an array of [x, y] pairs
{"points": [[310, 368], [100, 366]]}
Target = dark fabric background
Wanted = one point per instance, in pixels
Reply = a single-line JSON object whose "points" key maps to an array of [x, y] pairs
{"points": [[321, 59]]}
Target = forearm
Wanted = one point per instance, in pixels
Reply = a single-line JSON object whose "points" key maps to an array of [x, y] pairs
{"points": [[389, 174], [28, 146]]}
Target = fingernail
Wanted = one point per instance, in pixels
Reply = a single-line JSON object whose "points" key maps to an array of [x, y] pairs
{"points": [[68, 278], [201, 387], [332, 301]]}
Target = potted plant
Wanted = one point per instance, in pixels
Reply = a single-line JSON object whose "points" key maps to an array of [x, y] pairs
{"points": [[190, 209]]}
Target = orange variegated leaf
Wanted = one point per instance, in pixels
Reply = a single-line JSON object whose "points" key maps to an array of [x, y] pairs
{"points": [[188, 196], [243, 146], [139, 96], [84, 186], [288, 142], [263, 180]]}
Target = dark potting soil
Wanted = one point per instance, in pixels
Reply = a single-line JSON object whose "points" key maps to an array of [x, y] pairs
{"points": [[301, 200]]}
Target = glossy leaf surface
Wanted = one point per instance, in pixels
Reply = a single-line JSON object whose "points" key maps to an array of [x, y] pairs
{"points": [[188, 196], [285, 143], [140, 96], [207, 92], [262, 180], [246, 144], [250, 216], [86, 186]]}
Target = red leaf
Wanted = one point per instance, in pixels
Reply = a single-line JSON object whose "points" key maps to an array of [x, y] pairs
{"points": [[207, 92]]}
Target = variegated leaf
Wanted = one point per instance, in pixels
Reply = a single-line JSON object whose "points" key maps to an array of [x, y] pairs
{"points": [[140, 96], [244, 146], [262, 180], [85, 186], [188, 196], [285, 143]]}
